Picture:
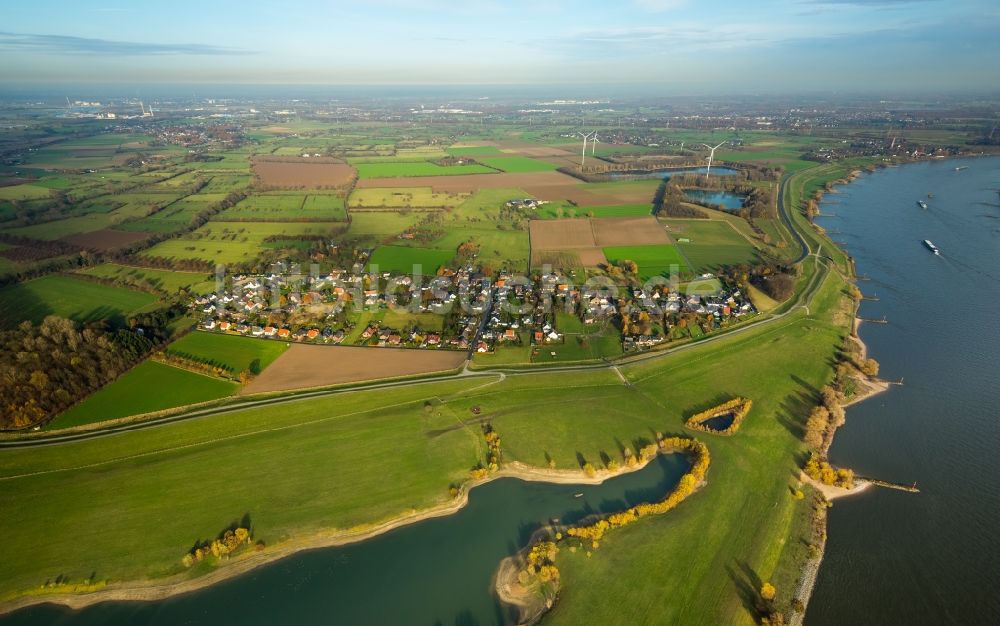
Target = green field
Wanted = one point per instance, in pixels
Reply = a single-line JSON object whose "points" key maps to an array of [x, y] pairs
{"points": [[404, 197], [710, 243], [231, 352], [652, 260], [518, 164], [614, 210], [287, 207], [473, 150], [166, 280], [130, 394], [425, 168], [77, 299], [401, 260], [233, 242], [23, 192]]}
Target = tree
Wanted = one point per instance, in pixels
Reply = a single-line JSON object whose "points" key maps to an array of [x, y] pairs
{"points": [[816, 427], [870, 367], [768, 592]]}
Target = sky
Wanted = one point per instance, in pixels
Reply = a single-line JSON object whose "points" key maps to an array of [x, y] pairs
{"points": [[689, 46]]}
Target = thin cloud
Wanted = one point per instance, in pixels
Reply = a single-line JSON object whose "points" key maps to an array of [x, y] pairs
{"points": [[867, 3], [62, 44]]}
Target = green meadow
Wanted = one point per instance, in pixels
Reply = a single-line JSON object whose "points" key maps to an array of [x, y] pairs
{"points": [[418, 168], [614, 210], [231, 352], [401, 260], [518, 164], [131, 394], [75, 298], [709, 244], [654, 260], [169, 281]]}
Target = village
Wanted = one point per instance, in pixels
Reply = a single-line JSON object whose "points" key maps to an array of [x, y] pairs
{"points": [[464, 310]]}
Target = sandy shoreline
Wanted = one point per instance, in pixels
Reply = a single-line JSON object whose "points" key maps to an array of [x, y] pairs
{"points": [[150, 590]]}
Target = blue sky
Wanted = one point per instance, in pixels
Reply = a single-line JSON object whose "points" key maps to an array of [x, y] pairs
{"points": [[684, 45]]}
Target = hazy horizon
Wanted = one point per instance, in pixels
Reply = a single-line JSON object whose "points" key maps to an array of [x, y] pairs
{"points": [[681, 46]]}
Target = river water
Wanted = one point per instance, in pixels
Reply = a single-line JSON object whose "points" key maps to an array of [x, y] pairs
{"points": [[896, 558], [435, 572]]}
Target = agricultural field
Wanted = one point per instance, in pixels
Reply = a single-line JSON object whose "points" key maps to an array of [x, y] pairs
{"points": [[75, 298], [371, 225], [24, 192], [517, 164], [474, 151], [402, 260], [652, 260], [286, 207], [302, 173], [308, 366], [404, 197], [173, 217], [169, 281], [234, 242], [710, 244], [585, 242], [559, 211], [233, 353], [405, 169], [130, 394]]}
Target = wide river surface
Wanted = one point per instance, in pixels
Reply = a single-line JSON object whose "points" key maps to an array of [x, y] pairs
{"points": [[896, 558], [435, 572]]}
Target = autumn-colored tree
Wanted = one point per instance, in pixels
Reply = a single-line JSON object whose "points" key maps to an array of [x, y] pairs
{"points": [[768, 592], [816, 427], [870, 367]]}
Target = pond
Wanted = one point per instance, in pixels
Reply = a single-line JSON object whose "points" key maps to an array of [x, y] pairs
{"points": [[726, 199]]}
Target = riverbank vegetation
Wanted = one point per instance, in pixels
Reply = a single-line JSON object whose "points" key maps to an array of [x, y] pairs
{"points": [[736, 409]]}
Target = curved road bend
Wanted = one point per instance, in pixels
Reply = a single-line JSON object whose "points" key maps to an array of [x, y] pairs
{"points": [[807, 294]]}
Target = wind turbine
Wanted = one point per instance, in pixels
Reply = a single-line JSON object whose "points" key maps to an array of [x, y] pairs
{"points": [[593, 144], [583, 153], [711, 156]]}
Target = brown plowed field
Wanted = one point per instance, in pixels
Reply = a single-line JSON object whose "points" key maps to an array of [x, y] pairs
{"points": [[304, 366], [105, 239], [561, 234], [298, 172], [532, 150], [628, 231], [592, 257]]}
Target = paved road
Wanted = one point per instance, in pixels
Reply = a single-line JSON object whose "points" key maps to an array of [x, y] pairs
{"points": [[804, 300]]}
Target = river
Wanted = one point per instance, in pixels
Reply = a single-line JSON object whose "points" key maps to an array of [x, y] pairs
{"points": [[931, 558], [435, 572]]}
